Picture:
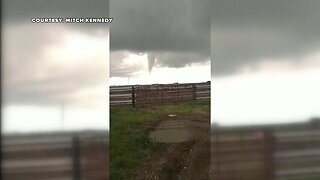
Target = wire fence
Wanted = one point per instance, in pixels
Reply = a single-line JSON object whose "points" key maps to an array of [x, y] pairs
{"points": [[158, 94], [266, 153], [58, 156]]}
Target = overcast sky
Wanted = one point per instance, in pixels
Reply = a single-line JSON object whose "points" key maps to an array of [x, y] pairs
{"points": [[265, 61], [151, 42], [265, 58], [47, 65], [150, 36]]}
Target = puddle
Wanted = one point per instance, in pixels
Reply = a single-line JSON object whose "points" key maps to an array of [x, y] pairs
{"points": [[173, 131], [173, 124], [171, 135]]}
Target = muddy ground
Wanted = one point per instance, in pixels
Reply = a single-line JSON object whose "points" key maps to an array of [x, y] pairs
{"points": [[187, 159]]}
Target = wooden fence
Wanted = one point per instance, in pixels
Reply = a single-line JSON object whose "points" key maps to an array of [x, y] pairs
{"points": [[56, 156], [158, 94], [266, 153]]}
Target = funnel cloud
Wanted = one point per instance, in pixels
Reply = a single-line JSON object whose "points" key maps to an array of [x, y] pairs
{"points": [[151, 61]]}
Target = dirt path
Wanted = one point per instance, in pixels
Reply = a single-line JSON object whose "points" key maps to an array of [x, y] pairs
{"points": [[183, 160]]}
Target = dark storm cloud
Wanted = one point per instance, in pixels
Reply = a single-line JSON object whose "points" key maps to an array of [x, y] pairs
{"points": [[23, 10], [247, 32], [178, 60], [161, 29]]}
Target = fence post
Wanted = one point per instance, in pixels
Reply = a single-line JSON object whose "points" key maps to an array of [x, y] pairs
{"points": [[76, 158], [133, 97], [194, 92]]}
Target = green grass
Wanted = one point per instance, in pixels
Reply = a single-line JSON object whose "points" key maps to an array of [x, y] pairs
{"points": [[130, 145]]}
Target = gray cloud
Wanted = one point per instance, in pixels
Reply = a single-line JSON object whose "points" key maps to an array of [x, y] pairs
{"points": [[248, 32], [161, 29], [22, 11], [29, 77], [54, 87], [118, 68]]}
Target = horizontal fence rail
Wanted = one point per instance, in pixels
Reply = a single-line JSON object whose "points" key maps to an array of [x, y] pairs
{"points": [[158, 94], [267, 153], [65, 156]]}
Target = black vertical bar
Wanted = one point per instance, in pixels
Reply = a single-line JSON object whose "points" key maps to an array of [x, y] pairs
{"points": [[76, 158], [133, 97]]}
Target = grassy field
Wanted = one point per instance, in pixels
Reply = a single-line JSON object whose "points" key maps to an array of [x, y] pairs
{"points": [[130, 145]]}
